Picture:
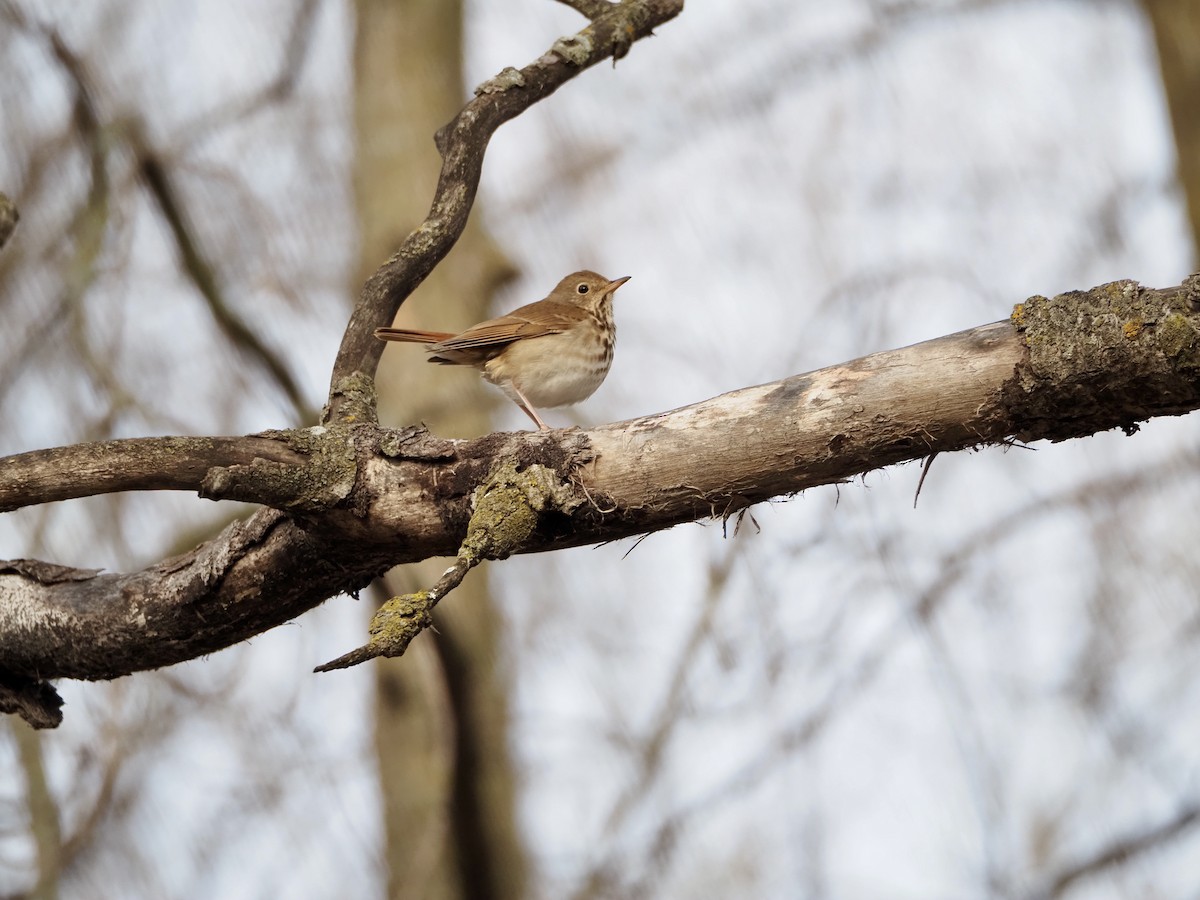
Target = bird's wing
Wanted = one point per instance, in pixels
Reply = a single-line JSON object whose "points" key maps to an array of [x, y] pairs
{"points": [[550, 318]]}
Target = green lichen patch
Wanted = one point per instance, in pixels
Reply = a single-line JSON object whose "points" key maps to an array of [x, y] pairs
{"points": [[399, 620], [1121, 323], [393, 627], [331, 471], [1178, 340], [326, 478], [358, 391], [507, 508], [1116, 354]]}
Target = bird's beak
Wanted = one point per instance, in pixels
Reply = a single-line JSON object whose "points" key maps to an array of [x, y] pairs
{"points": [[615, 283]]}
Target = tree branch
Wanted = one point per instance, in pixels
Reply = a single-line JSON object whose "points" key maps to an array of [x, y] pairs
{"points": [[85, 235], [1064, 367], [1123, 850], [136, 464], [203, 277], [282, 86], [462, 143], [592, 9]]}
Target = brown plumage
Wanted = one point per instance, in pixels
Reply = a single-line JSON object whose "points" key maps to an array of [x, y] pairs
{"points": [[554, 352]]}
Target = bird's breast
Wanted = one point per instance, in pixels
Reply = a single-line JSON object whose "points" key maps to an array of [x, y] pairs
{"points": [[557, 369]]}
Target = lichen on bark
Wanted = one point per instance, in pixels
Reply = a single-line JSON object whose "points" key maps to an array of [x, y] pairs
{"points": [[1117, 347], [507, 508]]}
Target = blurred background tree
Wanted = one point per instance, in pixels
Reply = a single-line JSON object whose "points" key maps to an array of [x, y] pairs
{"points": [[990, 695], [441, 714]]}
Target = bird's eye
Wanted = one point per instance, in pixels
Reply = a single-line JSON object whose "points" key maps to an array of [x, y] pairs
{"points": [[582, 288]]}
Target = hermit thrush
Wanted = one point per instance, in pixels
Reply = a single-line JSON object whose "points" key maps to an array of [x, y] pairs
{"points": [[551, 353]]}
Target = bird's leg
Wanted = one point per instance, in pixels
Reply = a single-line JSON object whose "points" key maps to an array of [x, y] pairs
{"points": [[527, 407]]}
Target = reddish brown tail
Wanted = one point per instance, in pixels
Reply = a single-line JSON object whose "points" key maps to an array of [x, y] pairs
{"points": [[411, 335]]}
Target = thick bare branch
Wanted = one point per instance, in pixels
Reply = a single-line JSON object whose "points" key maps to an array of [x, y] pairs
{"points": [[462, 143], [1062, 367], [135, 464], [257, 574]]}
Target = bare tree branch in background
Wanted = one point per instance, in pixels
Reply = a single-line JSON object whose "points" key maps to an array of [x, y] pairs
{"points": [[448, 784], [43, 812], [202, 274], [649, 751], [92, 219], [1122, 850], [88, 225], [280, 88]]}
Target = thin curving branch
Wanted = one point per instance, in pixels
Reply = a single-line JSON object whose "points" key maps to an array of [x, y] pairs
{"points": [[462, 143], [1124, 850], [89, 224], [203, 276], [296, 49], [155, 176]]}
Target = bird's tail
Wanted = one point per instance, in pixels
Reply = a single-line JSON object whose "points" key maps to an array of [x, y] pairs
{"points": [[412, 335]]}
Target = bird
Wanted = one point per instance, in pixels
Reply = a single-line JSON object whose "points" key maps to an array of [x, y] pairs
{"points": [[554, 352]]}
